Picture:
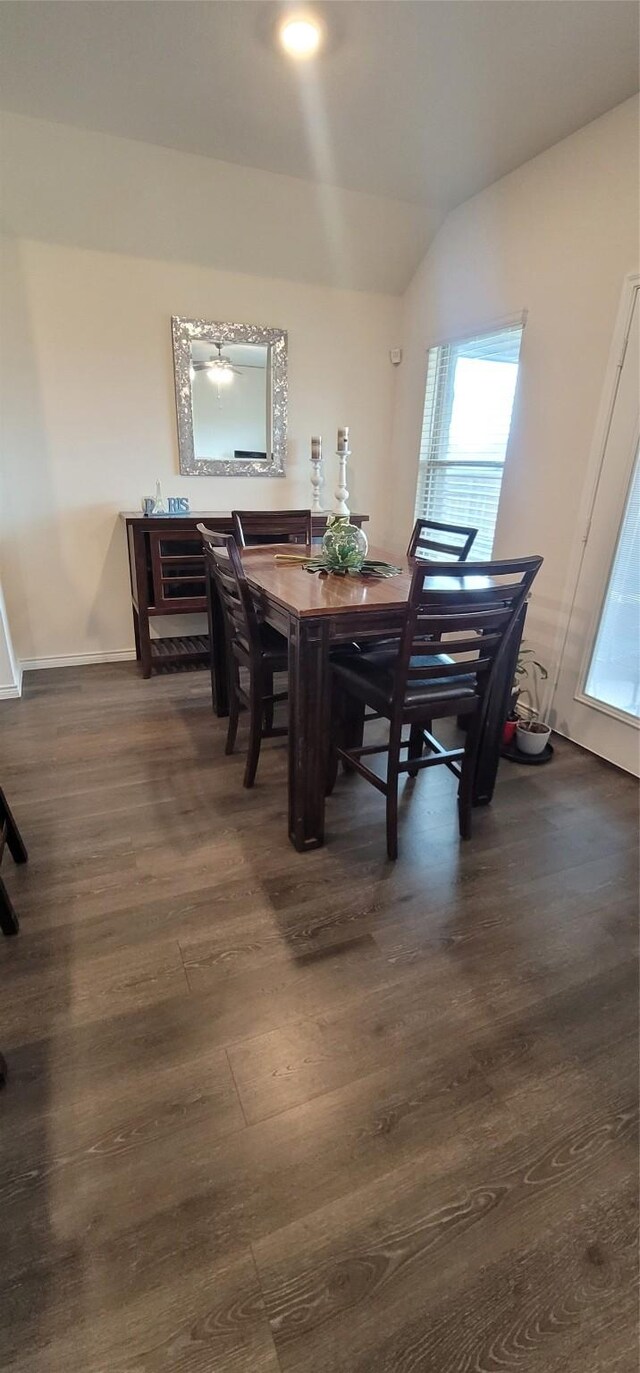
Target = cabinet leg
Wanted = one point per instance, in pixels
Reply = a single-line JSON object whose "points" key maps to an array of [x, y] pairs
{"points": [[144, 637]]}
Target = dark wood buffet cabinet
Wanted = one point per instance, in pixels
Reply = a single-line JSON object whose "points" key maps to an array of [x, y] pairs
{"points": [[166, 567]]}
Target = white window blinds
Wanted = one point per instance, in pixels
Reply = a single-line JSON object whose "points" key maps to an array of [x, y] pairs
{"points": [[465, 430]]}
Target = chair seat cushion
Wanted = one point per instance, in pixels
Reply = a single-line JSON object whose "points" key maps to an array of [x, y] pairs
{"points": [[371, 677]]}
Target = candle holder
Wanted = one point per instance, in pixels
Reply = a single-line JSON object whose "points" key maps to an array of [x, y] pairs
{"points": [[316, 475], [341, 491]]}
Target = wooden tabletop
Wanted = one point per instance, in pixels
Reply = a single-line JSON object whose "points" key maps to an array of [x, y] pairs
{"points": [[304, 593]]}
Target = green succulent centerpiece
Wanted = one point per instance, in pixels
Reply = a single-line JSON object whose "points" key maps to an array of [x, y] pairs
{"points": [[344, 553]]}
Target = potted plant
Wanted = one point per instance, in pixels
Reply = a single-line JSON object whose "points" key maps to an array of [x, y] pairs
{"points": [[532, 736], [528, 669]]}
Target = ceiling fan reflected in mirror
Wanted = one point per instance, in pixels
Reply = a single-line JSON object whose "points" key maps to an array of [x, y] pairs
{"points": [[219, 370]]}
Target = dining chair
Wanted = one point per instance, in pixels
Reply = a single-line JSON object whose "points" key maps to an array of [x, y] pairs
{"points": [[410, 684], [252, 647], [272, 526], [455, 549], [431, 536], [11, 838]]}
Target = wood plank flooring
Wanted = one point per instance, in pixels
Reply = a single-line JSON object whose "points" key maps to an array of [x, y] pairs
{"points": [[309, 1113]]}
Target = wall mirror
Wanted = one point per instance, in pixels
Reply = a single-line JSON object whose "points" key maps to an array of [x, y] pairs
{"points": [[231, 398]]}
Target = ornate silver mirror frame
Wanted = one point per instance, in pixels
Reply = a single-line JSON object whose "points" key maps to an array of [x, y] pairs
{"points": [[188, 331]]}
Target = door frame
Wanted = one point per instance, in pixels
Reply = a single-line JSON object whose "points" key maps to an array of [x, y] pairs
{"points": [[595, 466]]}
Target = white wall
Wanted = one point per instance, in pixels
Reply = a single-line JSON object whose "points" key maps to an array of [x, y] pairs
{"points": [[88, 419], [556, 238], [67, 185]]}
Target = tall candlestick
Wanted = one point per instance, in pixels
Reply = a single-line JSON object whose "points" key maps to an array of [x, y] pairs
{"points": [[341, 492], [316, 473]]}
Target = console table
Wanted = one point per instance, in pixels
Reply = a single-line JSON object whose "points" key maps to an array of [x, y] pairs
{"points": [[166, 567]]}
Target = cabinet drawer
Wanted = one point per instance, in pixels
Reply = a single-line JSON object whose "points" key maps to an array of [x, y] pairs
{"points": [[177, 570]]}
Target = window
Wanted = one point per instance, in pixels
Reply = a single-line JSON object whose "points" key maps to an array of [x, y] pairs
{"points": [[614, 671], [465, 431]]}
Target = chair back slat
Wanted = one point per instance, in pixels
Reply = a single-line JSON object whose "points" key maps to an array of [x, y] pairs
{"points": [[484, 619], [252, 527], [432, 536], [454, 669], [224, 565], [479, 609]]}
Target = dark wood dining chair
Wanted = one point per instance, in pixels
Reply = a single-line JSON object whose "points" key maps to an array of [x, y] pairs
{"points": [[411, 684], [432, 536], [272, 526], [11, 838], [252, 646]]}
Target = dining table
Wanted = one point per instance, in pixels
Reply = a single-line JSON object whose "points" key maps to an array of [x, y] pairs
{"points": [[316, 614]]}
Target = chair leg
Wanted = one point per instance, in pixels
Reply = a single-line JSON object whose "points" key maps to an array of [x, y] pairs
{"points": [[395, 737], [234, 711], [268, 705], [416, 745], [465, 788], [352, 716], [9, 923], [15, 843], [255, 735], [336, 736]]}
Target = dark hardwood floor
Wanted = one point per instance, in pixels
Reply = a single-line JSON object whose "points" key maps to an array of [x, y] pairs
{"points": [[320, 1112]]}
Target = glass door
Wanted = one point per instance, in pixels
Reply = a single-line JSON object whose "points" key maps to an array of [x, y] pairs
{"points": [[597, 697], [613, 673]]}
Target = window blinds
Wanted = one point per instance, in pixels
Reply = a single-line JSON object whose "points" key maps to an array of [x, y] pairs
{"points": [[467, 416]]}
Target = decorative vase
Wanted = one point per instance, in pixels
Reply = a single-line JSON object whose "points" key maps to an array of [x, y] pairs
{"points": [[344, 545]]}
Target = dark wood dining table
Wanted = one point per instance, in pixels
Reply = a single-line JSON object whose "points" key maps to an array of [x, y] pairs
{"points": [[316, 614]]}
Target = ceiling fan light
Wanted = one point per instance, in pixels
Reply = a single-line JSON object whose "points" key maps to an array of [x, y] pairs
{"points": [[301, 36], [220, 375]]}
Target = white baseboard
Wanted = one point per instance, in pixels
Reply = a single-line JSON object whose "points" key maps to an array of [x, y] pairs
{"points": [[10, 693], [117, 655]]}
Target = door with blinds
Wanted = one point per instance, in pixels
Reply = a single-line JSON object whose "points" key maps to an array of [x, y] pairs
{"points": [[468, 405], [597, 698]]}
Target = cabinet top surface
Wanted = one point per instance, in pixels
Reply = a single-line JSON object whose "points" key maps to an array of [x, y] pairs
{"points": [[135, 516]]}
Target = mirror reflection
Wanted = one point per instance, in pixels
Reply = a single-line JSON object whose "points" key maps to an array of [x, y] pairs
{"points": [[230, 401]]}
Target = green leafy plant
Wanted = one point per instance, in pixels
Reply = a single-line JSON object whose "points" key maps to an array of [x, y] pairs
{"points": [[528, 670]]}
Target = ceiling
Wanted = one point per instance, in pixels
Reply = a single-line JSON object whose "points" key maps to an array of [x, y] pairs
{"points": [[425, 101]]}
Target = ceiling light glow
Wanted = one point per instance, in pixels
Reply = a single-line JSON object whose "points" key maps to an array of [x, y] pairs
{"points": [[301, 36]]}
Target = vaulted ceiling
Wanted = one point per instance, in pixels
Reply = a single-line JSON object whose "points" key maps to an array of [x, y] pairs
{"points": [[420, 100]]}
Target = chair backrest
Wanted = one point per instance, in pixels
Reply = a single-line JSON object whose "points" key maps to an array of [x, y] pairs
{"points": [[452, 540], [224, 564], [271, 526], [477, 605]]}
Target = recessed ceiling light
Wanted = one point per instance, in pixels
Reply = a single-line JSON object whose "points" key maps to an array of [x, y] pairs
{"points": [[301, 36]]}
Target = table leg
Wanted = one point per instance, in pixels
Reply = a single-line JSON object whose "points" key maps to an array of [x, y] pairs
{"points": [[309, 717], [489, 751]]}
